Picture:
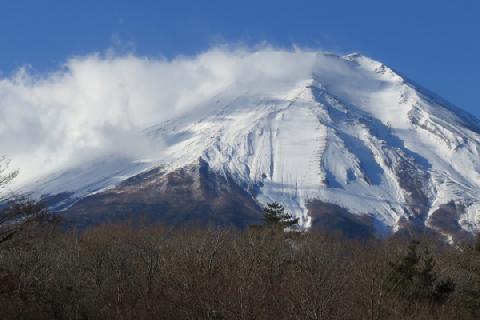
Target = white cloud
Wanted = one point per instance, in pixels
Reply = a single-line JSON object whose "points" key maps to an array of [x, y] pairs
{"points": [[99, 104]]}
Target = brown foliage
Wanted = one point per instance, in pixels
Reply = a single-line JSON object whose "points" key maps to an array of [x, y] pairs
{"points": [[152, 272]]}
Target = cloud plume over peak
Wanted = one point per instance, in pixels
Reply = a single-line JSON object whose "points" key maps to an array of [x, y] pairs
{"points": [[99, 104]]}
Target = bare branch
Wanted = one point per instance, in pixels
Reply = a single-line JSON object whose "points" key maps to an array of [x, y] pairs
{"points": [[6, 175]]}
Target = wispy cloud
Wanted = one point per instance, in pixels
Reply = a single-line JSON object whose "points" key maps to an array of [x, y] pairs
{"points": [[99, 104]]}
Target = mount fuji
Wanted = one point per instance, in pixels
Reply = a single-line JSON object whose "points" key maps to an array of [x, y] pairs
{"points": [[357, 147]]}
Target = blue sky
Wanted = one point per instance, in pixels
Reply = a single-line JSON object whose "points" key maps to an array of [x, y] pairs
{"points": [[435, 43]]}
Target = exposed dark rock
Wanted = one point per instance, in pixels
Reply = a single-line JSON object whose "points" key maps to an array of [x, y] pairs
{"points": [[194, 194], [446, 220], [333, 218], [414, 182], [57, 201]]}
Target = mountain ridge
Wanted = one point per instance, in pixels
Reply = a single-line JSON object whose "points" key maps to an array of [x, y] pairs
{"points": [[357, 135]]}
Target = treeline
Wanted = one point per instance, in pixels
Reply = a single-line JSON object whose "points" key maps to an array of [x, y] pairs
{"points": [[117, 271]]}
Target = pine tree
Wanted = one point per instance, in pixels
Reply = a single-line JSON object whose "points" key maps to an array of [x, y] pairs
{"points": [[274, 215], [471, 293], [477, 243], [414, 277]]}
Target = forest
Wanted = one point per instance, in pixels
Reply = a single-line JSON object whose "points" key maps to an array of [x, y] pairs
{"points": [[148, 271]]}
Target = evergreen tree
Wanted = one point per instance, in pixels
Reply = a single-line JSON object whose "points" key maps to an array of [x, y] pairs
{"points": [[477, 243], [414, 277], [274, 215], [471, 293]]}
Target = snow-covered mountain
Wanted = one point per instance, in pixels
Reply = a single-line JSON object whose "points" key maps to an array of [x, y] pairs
{"points": [[358, 139]]}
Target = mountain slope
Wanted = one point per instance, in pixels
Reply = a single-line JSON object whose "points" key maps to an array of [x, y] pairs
{"points": [[357, 137]]}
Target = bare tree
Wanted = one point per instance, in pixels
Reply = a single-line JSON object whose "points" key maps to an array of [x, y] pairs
{"points": [[6, 174], [16, 213]]}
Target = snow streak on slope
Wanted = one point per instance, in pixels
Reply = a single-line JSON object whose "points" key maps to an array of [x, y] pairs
{"points": [[354, 142], [356, 134]]}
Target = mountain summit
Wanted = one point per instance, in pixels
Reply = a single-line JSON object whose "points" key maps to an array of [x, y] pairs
{"points": [[355, 145]]}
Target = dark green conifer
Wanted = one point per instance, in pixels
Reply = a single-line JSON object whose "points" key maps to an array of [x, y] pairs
{"points": [[274, 215], [414, 277]]}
